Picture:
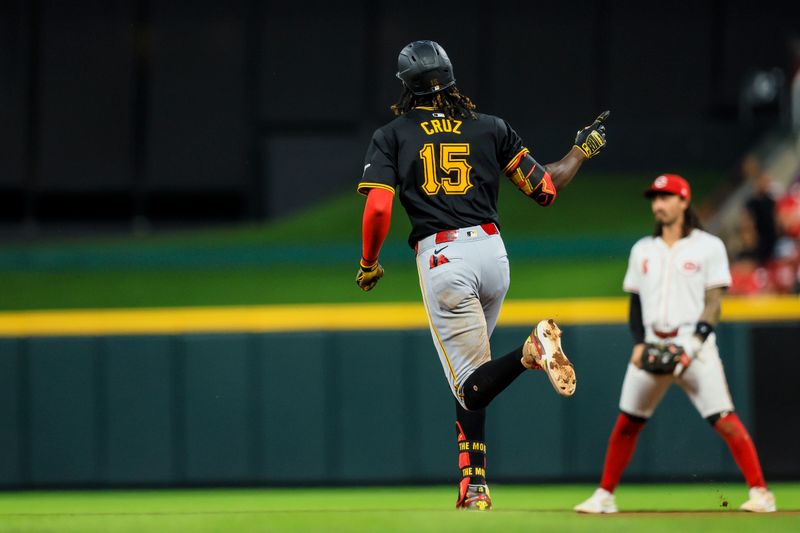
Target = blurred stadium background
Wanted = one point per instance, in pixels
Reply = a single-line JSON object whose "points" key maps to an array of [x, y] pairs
{"points": [[179, 231]]}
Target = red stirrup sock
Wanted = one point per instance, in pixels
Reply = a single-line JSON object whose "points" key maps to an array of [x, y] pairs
{"points": [[621, 445], [742, 448]]}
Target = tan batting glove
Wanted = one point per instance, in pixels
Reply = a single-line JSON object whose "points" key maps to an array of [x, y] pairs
{"points": [[368, 275]]}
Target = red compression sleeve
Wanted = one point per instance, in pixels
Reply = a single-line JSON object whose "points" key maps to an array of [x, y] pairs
{"points": [[742, 448], [621, 445], [375, 224]]}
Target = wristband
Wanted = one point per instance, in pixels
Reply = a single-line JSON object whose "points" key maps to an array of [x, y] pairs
{"points": [[367, 265], [703, 330]]}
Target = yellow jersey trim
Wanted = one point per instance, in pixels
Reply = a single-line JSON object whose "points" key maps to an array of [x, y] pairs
{"points": [[367, 185], [346, 317], [426, 108]]}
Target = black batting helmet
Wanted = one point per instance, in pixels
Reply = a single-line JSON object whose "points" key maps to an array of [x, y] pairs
{"points": [[423, 67]]}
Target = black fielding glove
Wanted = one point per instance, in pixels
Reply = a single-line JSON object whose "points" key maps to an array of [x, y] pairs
{"points": [[665, 359]]}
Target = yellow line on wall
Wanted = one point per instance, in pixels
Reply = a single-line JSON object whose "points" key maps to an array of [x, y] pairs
{"points": [[366, 316]]}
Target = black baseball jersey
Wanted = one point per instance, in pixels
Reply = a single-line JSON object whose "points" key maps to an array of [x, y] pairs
{"points": [[445, 171]]}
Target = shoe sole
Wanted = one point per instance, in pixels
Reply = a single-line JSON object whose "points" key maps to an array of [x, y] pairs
{"points": [[478, 503], [602, 511], [758, 508], [555, 364]]}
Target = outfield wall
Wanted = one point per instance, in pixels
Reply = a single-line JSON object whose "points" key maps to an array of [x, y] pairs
{"points": [[344, 407]]}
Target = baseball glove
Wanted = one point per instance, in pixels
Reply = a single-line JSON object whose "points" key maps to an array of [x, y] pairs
{"points": [[665, 359]]}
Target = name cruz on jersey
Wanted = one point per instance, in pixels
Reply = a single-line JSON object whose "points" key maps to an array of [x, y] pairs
{"points": [[432, 127], [446, 171]]}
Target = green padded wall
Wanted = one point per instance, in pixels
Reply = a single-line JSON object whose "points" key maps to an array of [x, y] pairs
{"points": [[325, 407], [64, 416], [140, 412], [296, 413], [12, 431], [215, 403], [371, 413]]}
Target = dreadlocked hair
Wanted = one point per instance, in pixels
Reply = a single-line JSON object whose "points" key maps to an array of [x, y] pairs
{"points": [[449, 101]]}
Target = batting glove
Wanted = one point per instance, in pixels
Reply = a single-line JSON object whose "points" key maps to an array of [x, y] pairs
{"points": [[687, 355], [368, 275], [591, 139]]}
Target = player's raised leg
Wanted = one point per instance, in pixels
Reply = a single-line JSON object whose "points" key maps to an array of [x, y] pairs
{"points": [[541, 350], [491, 378]]}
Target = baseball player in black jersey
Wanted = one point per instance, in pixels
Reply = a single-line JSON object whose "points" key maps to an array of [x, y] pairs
{"points": [[444, 160]]}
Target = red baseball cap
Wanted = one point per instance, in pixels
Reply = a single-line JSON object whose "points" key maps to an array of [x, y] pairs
{"points": [[670, 184]]}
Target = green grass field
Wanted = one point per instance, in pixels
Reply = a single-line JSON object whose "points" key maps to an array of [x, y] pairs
{"points": [[696, 507], [283, 284], [312, 256]]}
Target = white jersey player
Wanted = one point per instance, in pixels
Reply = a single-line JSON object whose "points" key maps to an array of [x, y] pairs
{"points": [[676, 279]]}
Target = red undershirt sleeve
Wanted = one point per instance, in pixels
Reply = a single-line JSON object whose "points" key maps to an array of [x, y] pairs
{"points": [[375, 224]]}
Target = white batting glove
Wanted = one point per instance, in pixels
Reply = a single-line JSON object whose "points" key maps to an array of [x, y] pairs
{"points": [[694, 346], [690, 352]]}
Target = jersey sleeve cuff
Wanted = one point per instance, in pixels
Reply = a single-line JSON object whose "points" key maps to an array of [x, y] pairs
{"points": [[514, 163], [718, 284], [363, 188], [629, 289]]}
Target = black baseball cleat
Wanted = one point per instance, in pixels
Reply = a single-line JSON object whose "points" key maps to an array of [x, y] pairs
{"points": [[542, 349]]}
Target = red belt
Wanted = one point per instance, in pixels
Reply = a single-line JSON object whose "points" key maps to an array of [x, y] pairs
{"points": [[666, 334], [449, 235]]}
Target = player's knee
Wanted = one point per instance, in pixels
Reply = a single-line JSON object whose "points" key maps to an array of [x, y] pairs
{"points": [[474, 400], [633, 419], [725, 422], [716, 417], [476, 396], [629, 425]]}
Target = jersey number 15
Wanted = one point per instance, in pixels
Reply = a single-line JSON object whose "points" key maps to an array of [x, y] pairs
{"points": [[452, 159]]}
